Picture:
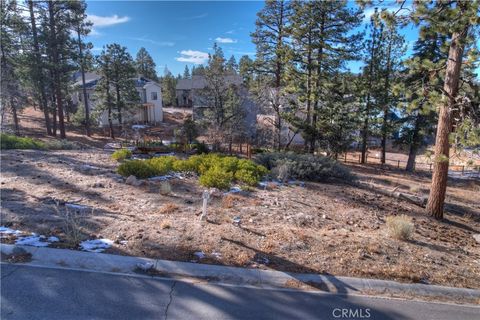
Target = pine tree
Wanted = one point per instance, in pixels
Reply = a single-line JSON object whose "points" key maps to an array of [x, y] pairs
{"points": [[36, 66], [82, 28], [322, 41], [231, 65], [199, 70], [458, 20], [122, 70], [145, 66], [390, 66], [271, 41], [245, 69], [372, 78], [186, 73], [12, 94], [168, 88], [104, 88]]}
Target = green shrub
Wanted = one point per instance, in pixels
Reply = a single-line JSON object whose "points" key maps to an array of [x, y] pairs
{"points": [[215, 170], [138, 168], [249, 172], [121, 155], [285, 165], [10, 141], [162, 165], [216, 177]]}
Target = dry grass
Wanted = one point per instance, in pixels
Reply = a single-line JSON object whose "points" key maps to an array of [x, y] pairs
{"points": [[73, 222], [400, 227], [230, 199], [165, 224], [168, 208]]}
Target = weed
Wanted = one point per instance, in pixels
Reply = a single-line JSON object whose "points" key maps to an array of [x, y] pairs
{"points": [[400, 227]]}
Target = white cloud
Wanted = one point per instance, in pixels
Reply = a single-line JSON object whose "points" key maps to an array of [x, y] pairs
{"points": [[158, 43], [192, 56], [230, 31], [94, 32], [225, 40], [99, 21]]}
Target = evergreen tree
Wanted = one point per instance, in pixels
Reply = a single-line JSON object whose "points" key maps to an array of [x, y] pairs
{"points": [[271, 40], [145, 65], [198, 71], [186, 73], [169, 84], [104, 88], [82, 28], [245, 69], [231, 65], [12, 95], [122, 70]]}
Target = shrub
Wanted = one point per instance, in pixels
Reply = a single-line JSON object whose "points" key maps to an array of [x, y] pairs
{"points": [[400, 227], [201, 148], [303, 166], [10, 141], [121, 155], [216, 177], [162, 165], [249, 172], [61, 145], [138, 168]]}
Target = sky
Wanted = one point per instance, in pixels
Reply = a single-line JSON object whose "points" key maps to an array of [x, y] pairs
{"points": [[179, 33]]}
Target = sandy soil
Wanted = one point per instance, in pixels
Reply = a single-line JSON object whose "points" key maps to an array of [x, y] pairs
{"points": [[328, 228]]}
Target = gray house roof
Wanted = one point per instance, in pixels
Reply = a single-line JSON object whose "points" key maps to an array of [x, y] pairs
{"points": [[199, 82]]}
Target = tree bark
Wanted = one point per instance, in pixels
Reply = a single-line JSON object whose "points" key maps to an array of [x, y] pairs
{"points": [[438, 187], [58, 87], [15, 116], [38, 70], [415, 143], [84, 89], [386, 106]]}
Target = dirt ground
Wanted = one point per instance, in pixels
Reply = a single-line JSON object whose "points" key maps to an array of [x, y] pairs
{"points": [[334, 229]]}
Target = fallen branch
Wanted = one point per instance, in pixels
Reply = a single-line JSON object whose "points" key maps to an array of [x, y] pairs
{"points": [[419, 201]]}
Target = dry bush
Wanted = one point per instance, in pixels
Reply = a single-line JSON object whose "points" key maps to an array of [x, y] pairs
{"points": [[400, 227], [229, 200], [165, 224], [168, 208], [73, 222], [165, 188]]}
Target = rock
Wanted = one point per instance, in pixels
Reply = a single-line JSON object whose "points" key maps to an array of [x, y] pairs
{"points": [[98, 185], [477, 237], [131, 180]]}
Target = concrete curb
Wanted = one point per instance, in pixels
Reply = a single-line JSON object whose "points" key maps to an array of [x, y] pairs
{"points": [[60, 258]]}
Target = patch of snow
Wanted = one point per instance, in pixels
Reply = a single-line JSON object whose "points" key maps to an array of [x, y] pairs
{"points": [[53, 239], [172, 175], [199, 254], [145, 266], [34, 241], [5, 230], [237, 220], [234, 189], [139, 126], [96, 245], [216, 255], [76, 207], [164, 154]]}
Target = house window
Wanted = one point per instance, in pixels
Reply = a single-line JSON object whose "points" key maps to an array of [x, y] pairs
{"points": [[153, 95]]}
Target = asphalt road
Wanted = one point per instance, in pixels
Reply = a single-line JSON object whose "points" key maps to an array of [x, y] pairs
{"points": [[39, 293]]}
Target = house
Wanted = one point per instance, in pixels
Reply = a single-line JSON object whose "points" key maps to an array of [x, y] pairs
{"points": [[188, 95], [150, 111]]}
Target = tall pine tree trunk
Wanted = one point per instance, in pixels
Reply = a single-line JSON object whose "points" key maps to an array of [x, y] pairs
{"points": [[438, 187], [58, 85], [38, 70], [386, 106], [119, 105], [365, 130], [84, 89], [15, 115], [415, 143]]}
